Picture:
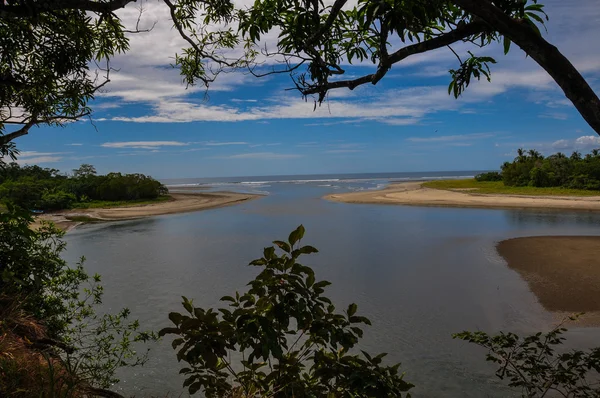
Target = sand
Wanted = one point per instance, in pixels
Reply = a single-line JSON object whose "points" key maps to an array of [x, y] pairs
{"points": [[413, 193], [562, 271], [179, 203]]}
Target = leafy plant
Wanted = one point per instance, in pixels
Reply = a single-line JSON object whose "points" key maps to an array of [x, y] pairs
{"points": [[37, 281], [533, 365], [281, 338]]}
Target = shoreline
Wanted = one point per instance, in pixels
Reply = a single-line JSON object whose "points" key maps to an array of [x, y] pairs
{"points": [[414, 194], [181, 202]]}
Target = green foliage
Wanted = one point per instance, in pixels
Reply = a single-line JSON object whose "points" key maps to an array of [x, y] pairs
{"points": [[533, 364], [489, 176], [45, 60], [33, 187], [34, 275], [532, 169], [498, 187], [286, 334]]}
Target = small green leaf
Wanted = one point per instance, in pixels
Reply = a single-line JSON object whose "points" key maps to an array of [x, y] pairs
{"points": [[296, 235], [283, 246], [352, 309], [507, 43], [310, 280]]}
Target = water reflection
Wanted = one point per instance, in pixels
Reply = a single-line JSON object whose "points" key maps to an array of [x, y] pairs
{"points": [[546, 217]]}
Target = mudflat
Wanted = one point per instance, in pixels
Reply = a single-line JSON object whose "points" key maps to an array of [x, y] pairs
{"points": [[562, 271]]}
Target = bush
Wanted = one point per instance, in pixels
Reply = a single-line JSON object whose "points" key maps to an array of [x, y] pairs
{"points": [[35, 279], [489, 176], [32, 187], [289, 340], [532, 364], [57, 200]]}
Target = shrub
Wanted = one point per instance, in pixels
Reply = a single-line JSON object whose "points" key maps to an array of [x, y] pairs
{"points": [[57, 200], [489, 176], [34, 277], [532, 364], [287, 335]]}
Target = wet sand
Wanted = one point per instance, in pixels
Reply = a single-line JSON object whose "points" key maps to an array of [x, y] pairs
{"points": [[179, 203], [413, 193], [562, 271]]}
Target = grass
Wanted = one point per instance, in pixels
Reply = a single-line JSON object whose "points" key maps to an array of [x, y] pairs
{"points": [[498, 187], [84, 219], [101, 204]]}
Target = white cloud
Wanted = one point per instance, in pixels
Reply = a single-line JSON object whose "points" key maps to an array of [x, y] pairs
{"points": [[451, 138], [332, 151], [212, 143], [555, 115], [562, 144], [74, 144], [583, 143], [243, 100], [142, 144], [264, 156], [34, 157], [587, 142]]}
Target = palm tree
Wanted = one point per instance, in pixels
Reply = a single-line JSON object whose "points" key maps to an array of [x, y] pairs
{"points": [[596, 152], [534, 154], [520, 155]]}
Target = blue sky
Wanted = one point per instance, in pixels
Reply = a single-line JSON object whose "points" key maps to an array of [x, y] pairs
{"points": [[147, 121]]}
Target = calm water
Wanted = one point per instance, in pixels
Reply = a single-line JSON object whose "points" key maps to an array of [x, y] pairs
{"points": [[419, 274]]}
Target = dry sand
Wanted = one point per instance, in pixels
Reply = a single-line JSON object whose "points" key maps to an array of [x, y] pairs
{"points": [[413, 193], [179, 203], [562, 271]]}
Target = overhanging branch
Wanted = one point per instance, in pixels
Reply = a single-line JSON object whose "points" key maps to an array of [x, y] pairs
{"points": [[575, 87], [30, 8], [462, 32]]}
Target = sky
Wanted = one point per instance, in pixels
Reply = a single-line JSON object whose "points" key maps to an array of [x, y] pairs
{"points": [[147, 121]]}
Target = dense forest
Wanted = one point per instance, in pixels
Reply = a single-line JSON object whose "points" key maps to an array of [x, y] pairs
{"points": [[34, 187], [531, 168]]}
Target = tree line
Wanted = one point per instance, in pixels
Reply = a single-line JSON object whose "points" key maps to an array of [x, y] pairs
{"points": [[34, 187], [531, 168]]}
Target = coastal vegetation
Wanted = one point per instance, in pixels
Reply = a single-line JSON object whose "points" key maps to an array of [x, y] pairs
{"points": [[53, 342], [531, 173], [33, 187], [497, 187]]}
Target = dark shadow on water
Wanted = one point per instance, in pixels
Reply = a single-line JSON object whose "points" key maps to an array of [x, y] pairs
{"points": [[545, 217]]}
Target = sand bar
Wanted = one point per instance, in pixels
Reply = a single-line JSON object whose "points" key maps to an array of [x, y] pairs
{"points": [[562, 271], [179, 203], [413, 193]]}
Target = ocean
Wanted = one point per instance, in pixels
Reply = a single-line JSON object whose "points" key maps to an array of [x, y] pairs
{"points": [[419, 273]]}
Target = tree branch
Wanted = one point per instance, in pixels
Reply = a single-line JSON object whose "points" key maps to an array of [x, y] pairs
{"points": [[576, 89], [5, 139], [460, 33], [31, 8]]}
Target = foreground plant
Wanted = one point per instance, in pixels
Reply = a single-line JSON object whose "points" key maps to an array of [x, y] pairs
{"points": [[281, 338], [533, 365], [51, 307]]}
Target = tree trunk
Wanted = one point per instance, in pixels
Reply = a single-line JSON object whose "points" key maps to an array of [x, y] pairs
{"points": [[577, 90]]}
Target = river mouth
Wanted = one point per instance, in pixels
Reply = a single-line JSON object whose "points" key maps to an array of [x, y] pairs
{"points": [[419, 274]]}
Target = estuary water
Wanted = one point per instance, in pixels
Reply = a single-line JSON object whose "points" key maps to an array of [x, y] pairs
{"points": [[419, 273]]}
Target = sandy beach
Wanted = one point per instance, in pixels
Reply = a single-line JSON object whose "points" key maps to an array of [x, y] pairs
{"points": [[562, 271], [179, 203], [413, 193]]}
